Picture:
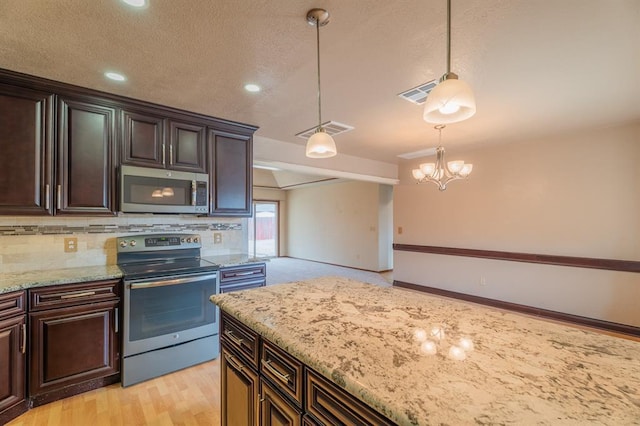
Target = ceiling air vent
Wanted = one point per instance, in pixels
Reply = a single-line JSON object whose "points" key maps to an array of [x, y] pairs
{"points": [[418, 95], [331, 127]]}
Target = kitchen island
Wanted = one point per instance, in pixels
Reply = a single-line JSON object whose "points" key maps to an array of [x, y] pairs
{"points": [[419, 359]]}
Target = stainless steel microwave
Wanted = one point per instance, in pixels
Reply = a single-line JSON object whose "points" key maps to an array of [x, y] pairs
{"points": [[147, 190]]}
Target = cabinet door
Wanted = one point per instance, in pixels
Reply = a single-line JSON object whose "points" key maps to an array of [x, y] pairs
{"points": [[239, 385], [187, 147], [12, 362], [275, 410], [72, 345], [86, 166], [26, 165], [143, 139], [230, 174]]}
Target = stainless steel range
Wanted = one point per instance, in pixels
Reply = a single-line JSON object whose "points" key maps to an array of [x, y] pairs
{"points": [[168, 323]]}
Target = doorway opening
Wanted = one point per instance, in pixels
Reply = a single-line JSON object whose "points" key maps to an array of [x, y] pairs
{"points": [[263, 229]]}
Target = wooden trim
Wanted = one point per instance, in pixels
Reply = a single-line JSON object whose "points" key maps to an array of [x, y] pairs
{"points": [[576, 262], [531, 310]]}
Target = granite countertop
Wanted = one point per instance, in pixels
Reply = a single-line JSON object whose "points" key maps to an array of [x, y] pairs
{"points": [[39, 278], [421, 359], [227, 260], [23, 280]]}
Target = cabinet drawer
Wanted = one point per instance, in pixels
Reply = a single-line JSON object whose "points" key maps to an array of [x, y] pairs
{"points": [[275, 409], [244, 272], [284, 370], [73, 294], [241, 339], [12, 304], [333, 406], [242, 285]]}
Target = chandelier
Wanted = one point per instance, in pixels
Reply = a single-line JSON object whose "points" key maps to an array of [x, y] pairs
{"points": [[441, 172]]}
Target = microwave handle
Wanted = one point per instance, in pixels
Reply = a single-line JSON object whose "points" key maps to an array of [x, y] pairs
{"points": [[193, 192]]}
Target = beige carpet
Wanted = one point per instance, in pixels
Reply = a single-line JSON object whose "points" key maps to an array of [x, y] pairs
{"points": [[286, 269]]}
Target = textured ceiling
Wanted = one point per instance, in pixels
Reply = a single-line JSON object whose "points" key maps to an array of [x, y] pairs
{"points": [[537, 67]]}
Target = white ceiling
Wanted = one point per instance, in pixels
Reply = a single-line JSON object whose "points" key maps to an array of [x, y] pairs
{"points": [[537, 67]]}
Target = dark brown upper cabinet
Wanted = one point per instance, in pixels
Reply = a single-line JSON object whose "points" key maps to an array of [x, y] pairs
{"points": [[26, 162], [230, 173], [187, 146], [85, 176], [143, 138], [151, 139]]}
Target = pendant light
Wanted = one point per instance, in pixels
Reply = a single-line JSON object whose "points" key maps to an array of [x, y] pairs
{"points": [[320, 144], [452, 99]]}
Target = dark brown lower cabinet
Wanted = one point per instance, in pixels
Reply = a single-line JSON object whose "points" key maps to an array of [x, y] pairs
{"points": [[240, 399], [243, 277], [12, 356], [283, 397], [275, 410], [73, 333]]}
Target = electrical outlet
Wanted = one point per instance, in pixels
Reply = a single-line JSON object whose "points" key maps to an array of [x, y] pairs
{"points": [[217, 238], [399, 230], [483, 281], [70, 245]]}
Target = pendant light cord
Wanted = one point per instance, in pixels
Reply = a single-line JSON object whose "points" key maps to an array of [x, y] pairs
{"points": [[318, 55], [448, 37]]}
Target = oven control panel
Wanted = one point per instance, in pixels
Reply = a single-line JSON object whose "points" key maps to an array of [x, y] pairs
{"points": [[153, 242]]}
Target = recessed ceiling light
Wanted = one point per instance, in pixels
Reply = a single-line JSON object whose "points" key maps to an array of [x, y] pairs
{"points": [[251, 87], [135, 3], [115, 76]]}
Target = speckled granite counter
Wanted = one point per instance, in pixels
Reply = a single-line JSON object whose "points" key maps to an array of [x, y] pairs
{"points": [[24, 280], [232, 260], [426, 360]]}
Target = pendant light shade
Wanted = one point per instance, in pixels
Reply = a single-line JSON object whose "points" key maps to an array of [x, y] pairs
{"points": [[451, 100], [320, 144]]}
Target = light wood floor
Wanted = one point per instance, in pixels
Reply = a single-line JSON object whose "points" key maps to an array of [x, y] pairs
{"points": [[187, 397]]}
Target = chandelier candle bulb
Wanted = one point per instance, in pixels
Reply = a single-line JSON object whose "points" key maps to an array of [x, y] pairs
{"points": [[417, 174], [428, 168], [455, 166]]}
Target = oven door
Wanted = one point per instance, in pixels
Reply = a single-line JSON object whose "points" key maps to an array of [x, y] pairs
{"points": [[167, 311]]}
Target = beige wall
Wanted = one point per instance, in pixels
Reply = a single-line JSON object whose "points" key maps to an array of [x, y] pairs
{"points": [[46, 250], [573, 195], [340, 223]]}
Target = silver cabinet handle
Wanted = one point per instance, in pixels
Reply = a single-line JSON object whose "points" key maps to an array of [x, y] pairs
{"points": [[283, 377], [74, 295], [158, 282], [233, 338], [242, 274], [117, 320], [231, 360], [47, 196], [164, 160], [24, 338], [170, 154], [59, 197]]}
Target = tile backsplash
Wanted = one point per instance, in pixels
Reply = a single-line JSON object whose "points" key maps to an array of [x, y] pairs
{"points": [[30, 243]]}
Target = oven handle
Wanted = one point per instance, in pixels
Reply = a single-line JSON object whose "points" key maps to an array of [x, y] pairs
{"points": [[159, 282]]}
